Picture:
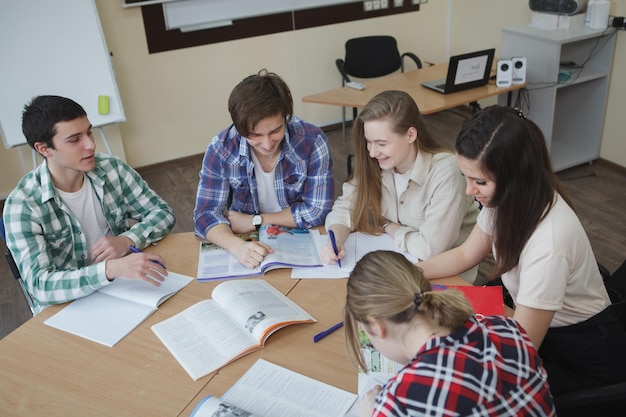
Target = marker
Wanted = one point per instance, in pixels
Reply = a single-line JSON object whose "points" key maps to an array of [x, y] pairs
{"points": [[134, 249], [325, 333], [334, 243]]}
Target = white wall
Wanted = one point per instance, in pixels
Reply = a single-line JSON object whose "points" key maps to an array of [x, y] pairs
{"points": [[176, 101]]}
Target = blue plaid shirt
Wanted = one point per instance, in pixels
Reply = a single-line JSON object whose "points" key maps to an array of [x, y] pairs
{"points": [[304, 180], [47, 241]]}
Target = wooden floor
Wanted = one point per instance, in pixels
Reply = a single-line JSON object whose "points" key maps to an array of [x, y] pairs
{"points": [[598, 190]]}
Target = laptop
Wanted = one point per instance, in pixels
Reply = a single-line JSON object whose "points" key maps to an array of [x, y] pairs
{"points": [[464, 72]]}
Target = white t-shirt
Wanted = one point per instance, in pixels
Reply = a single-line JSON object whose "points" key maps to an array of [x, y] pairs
{"points": [[557, 269], [268, 200], [84, 204]]}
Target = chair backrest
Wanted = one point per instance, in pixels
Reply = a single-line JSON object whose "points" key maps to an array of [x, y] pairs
{"points": [[372, 56], [617, 283], [16, 272]]}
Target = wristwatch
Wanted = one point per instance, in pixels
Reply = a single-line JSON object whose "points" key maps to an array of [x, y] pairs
{"points": [[256, 221]]}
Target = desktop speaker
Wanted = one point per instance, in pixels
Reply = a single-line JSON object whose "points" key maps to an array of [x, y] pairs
{"points": [[504, 73], [557, 6], [518, 75]]}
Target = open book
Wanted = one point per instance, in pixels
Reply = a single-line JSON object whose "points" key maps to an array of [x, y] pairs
{"points": [[269, 390], [110, 313], [292, 247], [356, 245], [236, 321]]}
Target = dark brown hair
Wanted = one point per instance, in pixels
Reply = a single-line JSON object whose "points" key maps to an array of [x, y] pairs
{"points": [[258, 97], [512, 151]]}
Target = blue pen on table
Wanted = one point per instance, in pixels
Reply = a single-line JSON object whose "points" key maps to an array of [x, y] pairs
{"points": [[334, 243], [135, 249], [325, 333]]}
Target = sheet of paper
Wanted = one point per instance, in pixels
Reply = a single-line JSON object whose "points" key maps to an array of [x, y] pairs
{"points": [[100, 318], [267, 389], [357, 245]]}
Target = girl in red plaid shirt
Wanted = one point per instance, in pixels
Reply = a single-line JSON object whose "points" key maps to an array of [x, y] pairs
{"points": [[455, 363]]}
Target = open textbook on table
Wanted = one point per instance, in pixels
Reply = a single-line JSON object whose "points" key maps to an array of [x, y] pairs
{"points": [[238, 320], [292, 248], [113, 311], [357, 245], [269, 390]]}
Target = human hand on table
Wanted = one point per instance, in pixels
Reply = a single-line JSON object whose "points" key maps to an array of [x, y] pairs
{"points": [[251, 253], [143, 266], [366, 405]]}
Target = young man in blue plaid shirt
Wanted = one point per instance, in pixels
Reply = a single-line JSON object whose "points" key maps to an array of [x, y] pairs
{"points": [[70, 223], [268, 167]]}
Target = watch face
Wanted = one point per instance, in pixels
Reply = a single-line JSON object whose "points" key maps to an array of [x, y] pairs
{"points": [[257, 219]]}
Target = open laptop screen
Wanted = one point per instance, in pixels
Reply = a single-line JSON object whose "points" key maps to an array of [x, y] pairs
{"points": [[465, 71]]}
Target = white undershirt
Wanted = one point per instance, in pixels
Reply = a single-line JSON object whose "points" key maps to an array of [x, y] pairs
{"points": [[85, 206], [268, 200], [402, 182]]}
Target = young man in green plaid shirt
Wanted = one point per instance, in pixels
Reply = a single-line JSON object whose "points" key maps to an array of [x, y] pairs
{"points": [[70, 223]]}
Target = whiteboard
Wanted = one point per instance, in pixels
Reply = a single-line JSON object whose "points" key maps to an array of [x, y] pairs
{"points": [[53, 47], [195, 13]]}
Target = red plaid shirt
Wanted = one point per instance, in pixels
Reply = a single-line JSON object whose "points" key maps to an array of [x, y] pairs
{"points": [[485, 368]]}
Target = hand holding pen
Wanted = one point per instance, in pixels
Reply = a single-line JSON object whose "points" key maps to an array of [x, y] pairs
{"points": [[333, 242], [148, 267], [333, 251]]}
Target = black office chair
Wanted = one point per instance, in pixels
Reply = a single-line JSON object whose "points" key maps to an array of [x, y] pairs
{"points": [[16, 273], [607, 400], [370, 57]]}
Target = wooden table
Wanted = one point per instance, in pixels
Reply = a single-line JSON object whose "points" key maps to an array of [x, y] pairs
{"points": [[427, 100], [45, 371]]}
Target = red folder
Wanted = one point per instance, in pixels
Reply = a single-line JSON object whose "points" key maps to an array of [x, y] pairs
{"points": [[486, 300]]}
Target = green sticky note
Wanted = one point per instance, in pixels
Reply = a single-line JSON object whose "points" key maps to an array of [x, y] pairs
{"points": [[103, 104]]}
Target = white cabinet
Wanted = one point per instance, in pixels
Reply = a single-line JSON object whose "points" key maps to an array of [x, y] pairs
{"points": [[569, 112]]}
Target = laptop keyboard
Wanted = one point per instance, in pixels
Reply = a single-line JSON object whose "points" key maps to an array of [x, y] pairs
{"points": [[440, 86]]}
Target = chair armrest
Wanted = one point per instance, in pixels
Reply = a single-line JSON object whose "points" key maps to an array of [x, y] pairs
{"points": [[342, 71], [414, 57]]}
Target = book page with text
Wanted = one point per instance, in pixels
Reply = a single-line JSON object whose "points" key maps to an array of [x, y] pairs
{"points": [[258, 307], [203, 338], [269, 390], [356, 245]]}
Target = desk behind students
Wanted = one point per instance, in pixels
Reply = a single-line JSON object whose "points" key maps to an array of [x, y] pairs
{"points": [[427, 100]]}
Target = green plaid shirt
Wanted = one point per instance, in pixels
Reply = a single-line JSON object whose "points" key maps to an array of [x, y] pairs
{"points": [[47, 241]]}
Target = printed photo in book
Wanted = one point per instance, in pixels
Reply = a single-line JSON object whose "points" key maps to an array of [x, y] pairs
{"points": [[380, 368], [269, 390], [238, 319], [292, 248]]}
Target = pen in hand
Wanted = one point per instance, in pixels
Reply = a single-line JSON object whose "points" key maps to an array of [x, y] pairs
{"points": [[134, 249], [325, 333], [334, 243]]}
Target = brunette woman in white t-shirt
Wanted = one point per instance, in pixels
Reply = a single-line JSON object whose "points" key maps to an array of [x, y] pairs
{"points": [[541, 251]]}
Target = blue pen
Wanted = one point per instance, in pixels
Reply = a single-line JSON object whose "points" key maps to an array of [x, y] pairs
{"points": [[334, 243], [325, 333], [134, 249]]}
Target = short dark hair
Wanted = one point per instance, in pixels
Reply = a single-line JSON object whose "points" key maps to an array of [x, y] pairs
{"points": [[258, 97], [41, 115]]}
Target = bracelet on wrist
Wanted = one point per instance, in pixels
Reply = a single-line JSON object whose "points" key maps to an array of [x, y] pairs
{"points": [[384, 226]]}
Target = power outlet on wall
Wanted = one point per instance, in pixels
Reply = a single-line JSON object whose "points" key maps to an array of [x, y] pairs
{"points": [[398, 3], [368, 6]]}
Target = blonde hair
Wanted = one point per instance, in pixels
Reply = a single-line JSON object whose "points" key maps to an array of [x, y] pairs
{"points": [[386, 285]]}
